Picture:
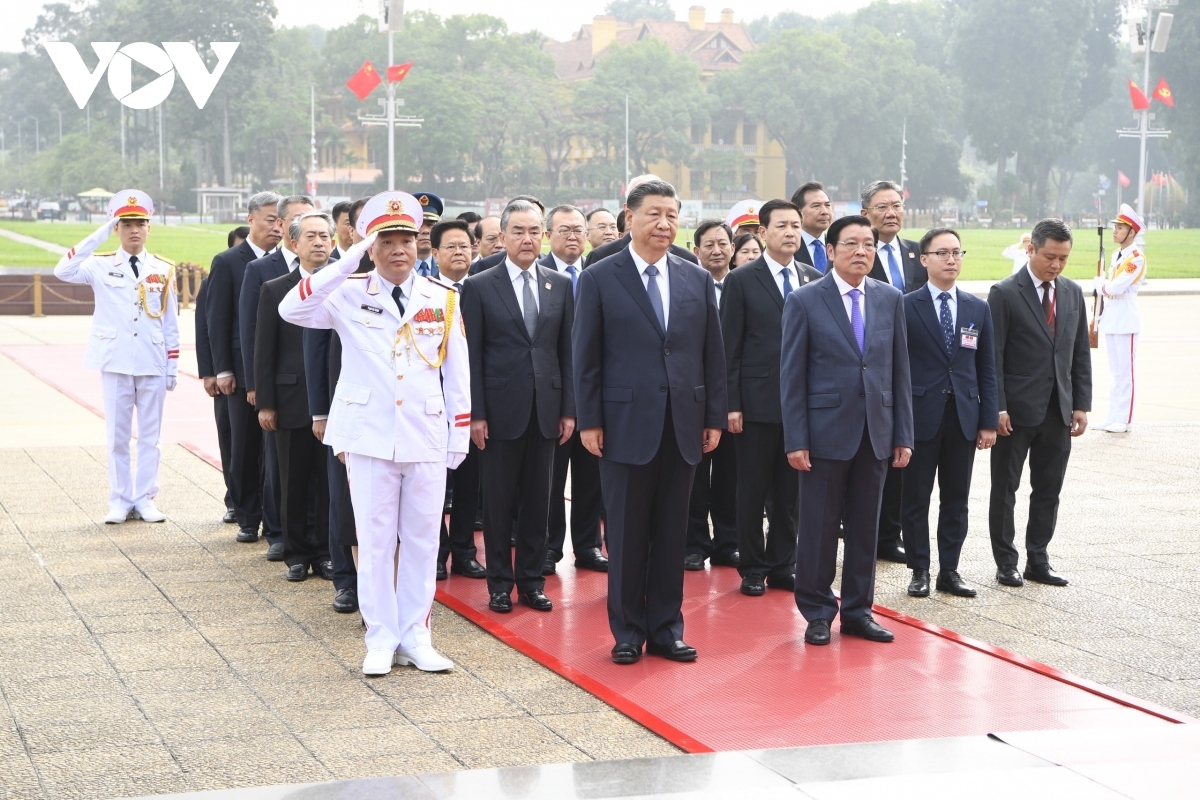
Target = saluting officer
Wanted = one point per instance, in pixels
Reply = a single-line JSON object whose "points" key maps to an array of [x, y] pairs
{"points": [[743, 217], [400, 415], [134, 343], [1119, 319]]}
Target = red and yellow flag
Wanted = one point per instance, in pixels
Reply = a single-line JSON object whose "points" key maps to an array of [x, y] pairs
{"points": [[363, 82], [398, 72], [1140, 101], [1162, 93]]}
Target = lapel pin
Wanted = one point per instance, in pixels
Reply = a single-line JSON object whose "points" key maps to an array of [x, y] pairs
{"points": [[912, 255], [547, 286]]}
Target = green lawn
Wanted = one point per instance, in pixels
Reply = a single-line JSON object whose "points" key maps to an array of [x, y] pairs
{"points": [[195, 243]]}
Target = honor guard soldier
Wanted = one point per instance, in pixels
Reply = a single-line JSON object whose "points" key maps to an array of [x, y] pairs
{"points": [[431, 214], [134, 343], [400, 417], [1119, 320], [743, 217]]}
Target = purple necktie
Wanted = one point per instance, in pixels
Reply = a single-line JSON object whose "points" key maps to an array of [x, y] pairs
{"points": [[856, 320]]}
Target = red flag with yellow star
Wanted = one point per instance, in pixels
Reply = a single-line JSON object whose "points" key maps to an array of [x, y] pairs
{"points": [[398, 72], [363, 82], [1139, 100], [1162, 93]]}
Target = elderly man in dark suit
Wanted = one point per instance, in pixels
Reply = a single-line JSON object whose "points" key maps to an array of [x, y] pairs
{"points": [[616, 246], [518, 317], [221, 307], [650, 389], [953, 359], [847, 411], [1044, 380], [498, 255], [751, 320]]}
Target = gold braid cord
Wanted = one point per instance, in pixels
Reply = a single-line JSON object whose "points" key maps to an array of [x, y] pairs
{"points": [[406, 331], [169, 286]]}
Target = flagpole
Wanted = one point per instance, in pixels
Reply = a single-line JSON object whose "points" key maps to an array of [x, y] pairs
{"points": [[391, 115], [1144, 123]]}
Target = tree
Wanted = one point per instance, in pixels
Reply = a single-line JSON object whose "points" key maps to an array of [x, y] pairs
{"points": [[633, 10], [1178, 65]]}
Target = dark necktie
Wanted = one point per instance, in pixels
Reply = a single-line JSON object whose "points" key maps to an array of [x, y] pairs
{"points": [[133, 265], [787, 282], [398, 296], [818, 254], [574, 273], [1048, 306], [530, 310], [947, 322], [458, 285], [719, 284], [655, 296], [894, 267]]}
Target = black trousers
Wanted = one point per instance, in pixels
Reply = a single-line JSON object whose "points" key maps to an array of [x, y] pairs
{"points": [[459, 538], [951, 456], [341, 524], [830, 488], [221, 415], [645, 512], [304, 481], [272, 489], [516, 474], [891, 508], [763, 471], [714, 494], [586, 499], [1048, 447], [245, 459]]}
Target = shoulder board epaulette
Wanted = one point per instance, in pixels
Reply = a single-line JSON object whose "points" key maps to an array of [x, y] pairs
{"points": [[106, 253], [441, 283], [358, 276], [1134, 254], [166, 261]]}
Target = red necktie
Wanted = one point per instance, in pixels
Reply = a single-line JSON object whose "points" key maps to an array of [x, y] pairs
{"points": [[1048, 306]]}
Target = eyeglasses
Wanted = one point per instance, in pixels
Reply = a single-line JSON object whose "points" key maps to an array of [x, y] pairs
{"points": [[466, 248], [883, 208], [944, 254], [605, 227], [855, 246], [570, 231]]}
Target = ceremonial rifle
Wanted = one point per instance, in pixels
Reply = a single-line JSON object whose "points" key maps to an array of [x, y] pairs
{"points": [[1097, 306]]}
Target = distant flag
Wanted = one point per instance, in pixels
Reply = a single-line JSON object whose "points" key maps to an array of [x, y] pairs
{"points": [[1123, 179], [363, 82], [906, 194], [1140, 101], [1162, 93], [398, 72]]}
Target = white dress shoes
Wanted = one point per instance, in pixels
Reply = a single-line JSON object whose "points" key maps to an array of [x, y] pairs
{"points": [[424, 658], [148, 512], [116, 515], [378, 662], [1115, 427]]}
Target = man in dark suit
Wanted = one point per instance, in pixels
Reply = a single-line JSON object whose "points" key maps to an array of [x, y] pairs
{"points": [[1044, 380], [898, 262], [714, 489], [816, 212], [650, 389], [273, 265], [566, 229], [204, 367], [345, 231], [498, 255], [612, 248], [518, 317], [847, 410], [751, 324], [953, 361], [224, 330], [282, 401]]}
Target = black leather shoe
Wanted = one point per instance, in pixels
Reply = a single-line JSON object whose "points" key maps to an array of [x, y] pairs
{"points": [[678, 650], [919, 585], [345, 601], [324, 569], [230, 516], [786, 582], [275, 552], [500, 602], [693, 562], [817, 632], [1008, 575], [949, 580], [866, 628], [625, 653], [591, 559], [753, 586], [247, 535], [469, 568], [549, 566], [1043, 573], [892, 551], [297, 573], [734, 559], [536, 600], [441, 574]]}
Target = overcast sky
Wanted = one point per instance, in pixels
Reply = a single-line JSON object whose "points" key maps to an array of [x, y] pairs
{"points": [[521, 16]]}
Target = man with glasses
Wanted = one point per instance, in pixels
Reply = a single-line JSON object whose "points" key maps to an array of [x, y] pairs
{"points": [[816, 212], [952, 356], [602, 227], [898, 262]]}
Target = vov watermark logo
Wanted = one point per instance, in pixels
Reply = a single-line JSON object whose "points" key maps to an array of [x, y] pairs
{"points": [[171, 58]]}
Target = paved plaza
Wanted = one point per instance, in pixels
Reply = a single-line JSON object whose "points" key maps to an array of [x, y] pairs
{"points": [[142, 659]]}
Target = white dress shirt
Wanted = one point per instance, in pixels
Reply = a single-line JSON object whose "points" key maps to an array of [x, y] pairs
{"points": [[937, 304], [514, 275], [719, 287], [777, 272], [882, 252], [406, 288], [291, 259], [1037, 286], [844, 290], [258, 251], [562, 265], [663, 281]]}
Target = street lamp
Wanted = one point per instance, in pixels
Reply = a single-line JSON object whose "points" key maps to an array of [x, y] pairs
{"points": [[37, 135], [60, 127], [1149, 38]]}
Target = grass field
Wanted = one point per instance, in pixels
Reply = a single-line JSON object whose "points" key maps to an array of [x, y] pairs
{"points": [[1171, 253]]}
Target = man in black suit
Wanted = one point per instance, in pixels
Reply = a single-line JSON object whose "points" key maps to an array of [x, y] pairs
{"points": [[565, 231], [952, 356], [847, 411], [204, 368], [498, 255], [751, 324], [898, 262], [816, 212], [273, 265], [224, 330], [650, 389], [1044, 381], [518, 317], [614, 247], [714, 489], [345, 232]]}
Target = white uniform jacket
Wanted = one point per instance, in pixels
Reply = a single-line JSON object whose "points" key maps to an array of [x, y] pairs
{"points": [[391, 401], [1119, 289], [135, 327]]}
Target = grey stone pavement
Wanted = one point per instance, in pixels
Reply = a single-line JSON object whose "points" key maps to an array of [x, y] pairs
{"points": [[143, 659]]}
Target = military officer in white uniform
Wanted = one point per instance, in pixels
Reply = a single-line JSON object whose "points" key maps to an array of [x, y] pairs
{"points": [[1119, 319], [743, 217], [401, 414], [134, 343]]}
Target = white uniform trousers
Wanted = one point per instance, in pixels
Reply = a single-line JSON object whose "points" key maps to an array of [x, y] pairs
{"points": [[123, 393], [396, 505], [1122, 349]]}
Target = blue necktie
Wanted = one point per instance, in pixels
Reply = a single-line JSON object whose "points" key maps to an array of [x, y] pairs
{"points": [[655, 296], [574, 273], [894, 267], [856, 319], [423, 269], [787, 282], [947, 322], [819, 260]]}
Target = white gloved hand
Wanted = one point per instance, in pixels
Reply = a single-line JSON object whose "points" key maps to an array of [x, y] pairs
{"points": [[1098, 284], [454, 459], [172, 382]]}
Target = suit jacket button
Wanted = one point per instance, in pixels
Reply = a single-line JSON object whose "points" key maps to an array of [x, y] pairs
{"points": [[952, 369], [662, 388], [864, 366], [862, 394], [399, 402], [666, 351]]}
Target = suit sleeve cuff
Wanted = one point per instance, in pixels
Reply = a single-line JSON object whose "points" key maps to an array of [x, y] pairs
{"points": [[224, 375], [320, 417]]}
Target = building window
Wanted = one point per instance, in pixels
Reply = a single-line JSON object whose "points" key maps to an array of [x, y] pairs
{"points": [[723, 131], [751, 179], [750, 134]]}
